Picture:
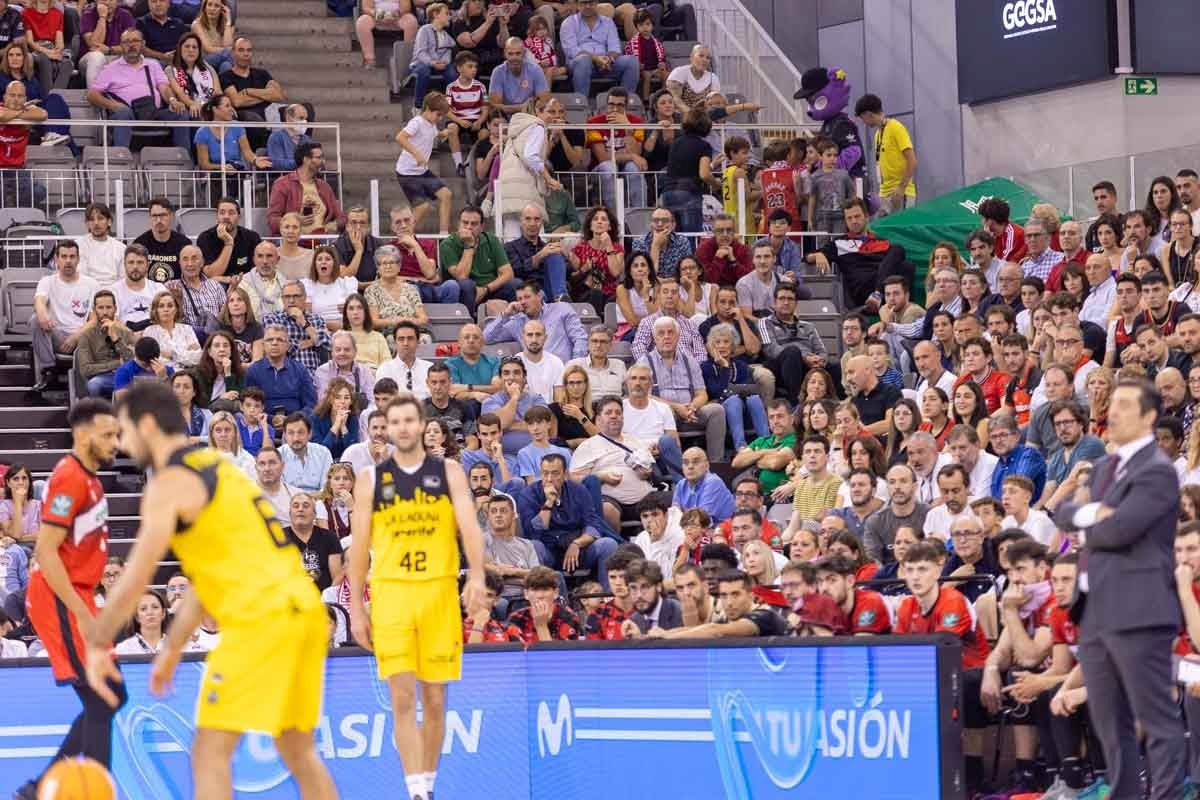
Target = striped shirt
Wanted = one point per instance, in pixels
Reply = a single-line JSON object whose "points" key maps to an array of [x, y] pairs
{"points": [[813, 497], [1040, 266], [467, 101]]}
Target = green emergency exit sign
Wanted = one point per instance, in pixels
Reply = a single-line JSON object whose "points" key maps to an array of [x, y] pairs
{"points": [[1141, 86]]}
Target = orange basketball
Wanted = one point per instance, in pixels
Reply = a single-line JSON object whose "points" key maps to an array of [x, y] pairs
{"points": [[77, 779]]}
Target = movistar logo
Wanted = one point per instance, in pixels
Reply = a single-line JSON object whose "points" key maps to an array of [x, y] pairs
{"points": [[553, 730]]}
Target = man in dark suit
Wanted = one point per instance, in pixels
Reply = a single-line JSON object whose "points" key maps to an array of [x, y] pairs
{"points": [[1125, 602], [651, 608]]}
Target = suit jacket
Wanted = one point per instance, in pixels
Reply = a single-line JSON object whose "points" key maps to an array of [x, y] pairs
{"points": [[1130, 555], [669, 616]]}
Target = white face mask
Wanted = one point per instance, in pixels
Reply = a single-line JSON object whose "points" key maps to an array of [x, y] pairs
{"points": [[300, 127]]}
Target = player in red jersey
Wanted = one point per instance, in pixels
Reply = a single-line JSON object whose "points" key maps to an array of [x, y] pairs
{"points": [[72, 547], [864, 608], [932, 608]]}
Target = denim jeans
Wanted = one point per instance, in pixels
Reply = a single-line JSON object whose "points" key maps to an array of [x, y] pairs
{"points": [[422, 73], [688, 207], [593, 557], [101, 385], [555, 284], [635, 182], [449, 291], [625, 69], [180, 137], [735, 415]]}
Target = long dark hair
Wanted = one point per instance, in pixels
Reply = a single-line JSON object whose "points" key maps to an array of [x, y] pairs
{"points": [[368, 322], [1156, 216], [136, 626], [895, 437], [651, 276], [209, 367], [980, 412], [177, 59]]}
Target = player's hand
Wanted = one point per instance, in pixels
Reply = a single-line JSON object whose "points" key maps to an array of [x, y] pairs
{"points": [[101, 670], [1024, 689], [991, 690], [162, 672], [360, 629], [474, 597]]}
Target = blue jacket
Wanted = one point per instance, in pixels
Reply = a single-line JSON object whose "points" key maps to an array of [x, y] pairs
{"points": [[337, 444], [1021, 460], [575, 514], [290, 387]]}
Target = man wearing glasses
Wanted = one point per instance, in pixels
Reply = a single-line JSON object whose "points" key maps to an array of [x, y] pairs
{"points": [[618, 149], [308, 340], [973, 555], [1041, 259], [1076, 445], [662, 244], [723, 257], [356, 246], [1015, 458]]}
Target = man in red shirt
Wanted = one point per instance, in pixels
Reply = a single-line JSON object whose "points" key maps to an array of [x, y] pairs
{"points": [[865, 609], [545, 619], [977, 367], [618, 150], [72, 547], [1009, 236], [723, 257], [1187, 582], [747, 496], [15, 119], [932, 608]]}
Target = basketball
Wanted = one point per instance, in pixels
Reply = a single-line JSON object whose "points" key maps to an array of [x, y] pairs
{"points": [[77, 779]]}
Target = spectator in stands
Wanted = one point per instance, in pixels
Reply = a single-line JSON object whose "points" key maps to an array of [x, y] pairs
{"points": [[308, 339], [1015, 458], [433, 52], [539, 41], [525, 178], [228, 248], [597, 262], [791, 346], [744, 617], [652, 420], [482, 32], [191, 80], [356, 246], [725, 258], [649, 52], [974, 554], [183, 384], [662, 243], [467, 119], [162, 32], [12, 25], [1153, 354], [334, 421], [417, 263], [162, 243], [408, 371], [728, 379], [390, 15], [1041, 259], [605, 375], [679, 382], [458, 416], [863, 259], [102, 26], [669, 307], [224, 149], [476, 255], [121, 86], [691, 84], [785, 252], [562, 522], [896, 156], [902, 510], [512, 402], [282, 143], [770, 454], [14, 139], [817, 491], [320, 549], [829, 189], [593, 47], [474, 375], [251, 89], [201, 298], [756, 289], [564, 334], [45, 37], [980, 245], [327, 292], [303, 191], [1104, 194], [1009, 238], [490, 453], [375, 448], [214, 26], [253, 428], [100, 254], [543, 370], [221, 375], [873, 398], [286, 383], [689, 170], [104, 344], [20, 519], [701, 488], [343, 364], [517, 81], [534, 259], [144, 364], [619, 150], [529, 458], [62, 303], [268, 466], [964, 446], [545, 618], [263, 284], [305, 462], [508, 555]]}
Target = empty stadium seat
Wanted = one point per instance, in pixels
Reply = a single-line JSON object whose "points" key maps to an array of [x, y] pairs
{"points": [[103, 167], [56, 169], [575, 105], [26, 246], [637, 221], [502, 350], [17, 286], [15, 216], [587, 314], [71, 221], [679, 53], [447, 312], [169, 172], [136, 221], [81, 110], [194, 221], [445, 331]]}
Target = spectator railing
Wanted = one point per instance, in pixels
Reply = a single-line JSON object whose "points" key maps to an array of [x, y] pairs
{"points": [[1069, 187], [749, 61], [51, 184]]}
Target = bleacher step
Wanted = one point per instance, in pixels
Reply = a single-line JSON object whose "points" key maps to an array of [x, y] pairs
{"points": [[317, 61], [291, 75], [361, 96], [274, 9], [290, 42], [24, 416], [35, 438], [310, 28], [16, 374]]}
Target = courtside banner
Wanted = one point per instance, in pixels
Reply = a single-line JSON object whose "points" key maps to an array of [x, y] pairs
{"points": [[739, 720]]}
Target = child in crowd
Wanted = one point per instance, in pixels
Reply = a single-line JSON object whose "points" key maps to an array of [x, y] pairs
{"points": [[737, 157], [541, 46], [779, 186], [881, 362], [529, 458], [650, 53], [252, 421], [468, 108], [829, 188], [432, 51], [420, 185]]}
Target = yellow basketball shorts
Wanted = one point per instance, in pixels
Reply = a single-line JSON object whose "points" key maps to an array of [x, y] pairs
{"points": [[416, 627], [267, 677]]}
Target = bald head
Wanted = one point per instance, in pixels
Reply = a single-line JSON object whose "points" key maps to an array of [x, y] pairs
{"points": [[695, 464], [1171, 386]]}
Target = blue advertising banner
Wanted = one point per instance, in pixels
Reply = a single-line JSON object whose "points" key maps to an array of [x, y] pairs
{"points": [[735, 722]]}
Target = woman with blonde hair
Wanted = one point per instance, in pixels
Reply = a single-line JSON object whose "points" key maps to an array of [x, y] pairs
{"points": [[336, 500], [177, 342], [370, 346], [759, 561], [1099, 385], [574, 415], [944, 255], [295, 260], [1051, 219], [223, 436]]}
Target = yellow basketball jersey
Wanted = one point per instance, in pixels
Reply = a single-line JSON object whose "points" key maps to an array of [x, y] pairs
{"points": [[235, 552], [414, 536]]}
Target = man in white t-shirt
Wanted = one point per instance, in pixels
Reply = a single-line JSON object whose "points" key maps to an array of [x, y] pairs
{"points": [[62, 303], [652, 420], [376, 449], [605, 375], [543, 371], [659, 540], [268, 466], [620, 461], [952, 482], [135, 292], [100, 255], [1016, 494]]}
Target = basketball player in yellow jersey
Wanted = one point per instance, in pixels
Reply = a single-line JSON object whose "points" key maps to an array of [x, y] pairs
{"points": [[407, 512], [266, 673]]}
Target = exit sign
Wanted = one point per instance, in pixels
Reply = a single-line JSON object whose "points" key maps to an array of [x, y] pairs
{"points": [[1142, 86]]}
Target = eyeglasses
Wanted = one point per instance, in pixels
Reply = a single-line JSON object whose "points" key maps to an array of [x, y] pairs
{"points": [[1064, 423], [965, 534], [746, 494], [1067, 342], [613, 104]]}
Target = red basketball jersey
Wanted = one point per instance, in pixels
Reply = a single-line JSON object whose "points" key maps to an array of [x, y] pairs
{"points": [[75, 501], [779, 191]]}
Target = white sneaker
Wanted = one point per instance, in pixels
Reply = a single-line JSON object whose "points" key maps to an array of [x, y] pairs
{"points": [[1060, 791], [53, 138]]}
